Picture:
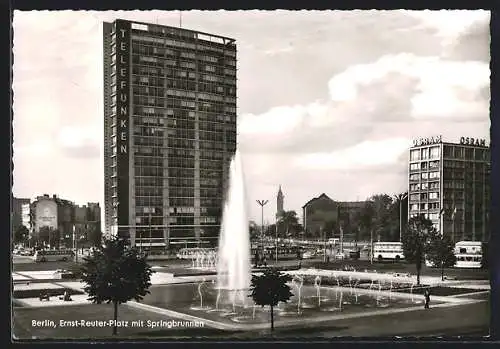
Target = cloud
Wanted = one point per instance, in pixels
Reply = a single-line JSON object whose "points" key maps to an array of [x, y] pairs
{"points": [[321, 96], [79, 142], [450, 24], [401, 88], [365, 130], [362, 155]]}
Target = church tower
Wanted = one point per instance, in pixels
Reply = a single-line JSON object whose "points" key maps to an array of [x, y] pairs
{"points": [[279, 203]]}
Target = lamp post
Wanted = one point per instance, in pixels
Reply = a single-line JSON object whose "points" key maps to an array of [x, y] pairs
{"points": [[262, 203], [400, 198], [324, 244], [75, 246], [150, 234], [371, 246], [276, 230]]}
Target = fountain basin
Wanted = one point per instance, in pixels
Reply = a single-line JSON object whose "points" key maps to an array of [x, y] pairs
{"points": [[185, 298]]}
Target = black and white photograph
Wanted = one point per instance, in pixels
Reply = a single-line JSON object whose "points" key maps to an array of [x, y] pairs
{"points": [[250, 175]]}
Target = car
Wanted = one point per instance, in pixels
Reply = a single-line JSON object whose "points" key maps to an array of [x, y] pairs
{"points": [[307, 255], [339, 256], [25, 253]]}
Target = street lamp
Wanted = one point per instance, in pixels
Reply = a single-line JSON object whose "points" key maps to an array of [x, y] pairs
{"points": [[262, 203], [276, 230], [400, 198], [150, 234]]}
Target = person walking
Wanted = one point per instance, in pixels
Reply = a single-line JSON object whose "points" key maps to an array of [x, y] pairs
{"points": [[427, 296], [257, 259]]}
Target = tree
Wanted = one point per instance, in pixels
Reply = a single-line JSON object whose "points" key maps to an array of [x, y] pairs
{"points": [[288, 224], [440, 252], [21, 234], [270, 230], [116, 273], [254, 231], [270, 288], [329, 228], [94, 236], [49, 236], [415, 243]]}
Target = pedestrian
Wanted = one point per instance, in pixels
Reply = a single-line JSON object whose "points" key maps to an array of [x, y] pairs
{"points": [[427, 295], [67, 297]]}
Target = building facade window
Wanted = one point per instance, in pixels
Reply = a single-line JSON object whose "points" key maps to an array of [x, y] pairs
{"points": [[434, 174], [415, 154], [434, 195], [434, 152]]}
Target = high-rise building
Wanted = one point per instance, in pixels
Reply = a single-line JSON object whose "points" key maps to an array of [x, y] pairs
{"points": [[280, 198], [450, 184], [169, 132]]}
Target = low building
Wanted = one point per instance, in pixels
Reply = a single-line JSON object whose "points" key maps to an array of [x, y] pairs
{"points": [[324, 213], [18, 213], [87, 223], [318, 213], [59, 219], [349, 209]]}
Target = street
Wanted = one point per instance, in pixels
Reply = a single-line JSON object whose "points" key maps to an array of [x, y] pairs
{"points": [[22, 263]]}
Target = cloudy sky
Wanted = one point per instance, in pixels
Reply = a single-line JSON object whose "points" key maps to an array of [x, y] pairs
{"points": [[329, 101]]}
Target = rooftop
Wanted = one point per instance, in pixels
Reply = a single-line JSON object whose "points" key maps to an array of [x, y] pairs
{"points": [[164, 29]]}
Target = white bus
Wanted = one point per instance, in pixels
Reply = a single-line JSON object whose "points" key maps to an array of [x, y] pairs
{"points": [[388, 251], [192, 252], [53, 255], [469, 254]]}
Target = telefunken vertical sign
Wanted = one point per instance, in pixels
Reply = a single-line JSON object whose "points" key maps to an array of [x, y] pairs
{"points": [[123, 112]]}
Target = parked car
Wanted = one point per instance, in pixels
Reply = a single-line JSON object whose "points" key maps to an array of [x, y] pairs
{"points": [[354, 254], [339, 256], [308, 255]]}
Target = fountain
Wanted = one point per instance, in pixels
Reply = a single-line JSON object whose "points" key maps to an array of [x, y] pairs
{"points": [[390, 290], [356, 284], [317, 284], [230, 289], [233, 266], [217, 300], [299, 288], [340, 301], [200, 293]]}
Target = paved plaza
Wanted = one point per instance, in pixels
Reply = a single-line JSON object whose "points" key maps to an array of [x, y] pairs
{"points": [[461, 314]]}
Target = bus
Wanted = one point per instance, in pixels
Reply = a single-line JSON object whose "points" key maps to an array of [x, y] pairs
{"points": [[388, 251], [469, 254], [284, 252], [53, 255], [191, 252]]}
